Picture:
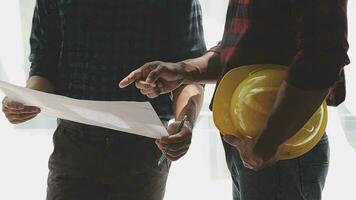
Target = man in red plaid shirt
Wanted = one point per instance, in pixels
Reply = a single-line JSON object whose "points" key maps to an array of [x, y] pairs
{"points": [[309, 36]]}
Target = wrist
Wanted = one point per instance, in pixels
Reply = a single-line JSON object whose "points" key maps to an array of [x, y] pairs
{"points": [[266, 146], [191, 71]]}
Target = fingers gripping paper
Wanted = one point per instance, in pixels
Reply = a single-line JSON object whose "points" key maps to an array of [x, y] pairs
{"points": [[132, 117]]}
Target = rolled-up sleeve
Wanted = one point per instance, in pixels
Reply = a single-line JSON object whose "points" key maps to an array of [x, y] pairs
{"points": [[45, 40], [322, 45], [216, 49], [186, 32]]}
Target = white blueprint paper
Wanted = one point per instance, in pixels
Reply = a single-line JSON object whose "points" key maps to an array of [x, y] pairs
{"points": [[131, 117]]}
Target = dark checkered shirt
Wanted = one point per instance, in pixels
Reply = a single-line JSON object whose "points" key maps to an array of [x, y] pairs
{"points": [[310, 36], [85, 47]]}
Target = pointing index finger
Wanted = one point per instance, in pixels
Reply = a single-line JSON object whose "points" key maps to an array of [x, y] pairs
{"points": [[139, 74], [132, 77]]}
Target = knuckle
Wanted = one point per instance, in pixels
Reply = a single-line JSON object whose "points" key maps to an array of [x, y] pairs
{"points": [[7, 115], [155, 62], [161, 67]]}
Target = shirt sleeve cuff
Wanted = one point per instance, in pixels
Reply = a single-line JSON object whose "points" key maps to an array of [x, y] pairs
{"points": [[316, 71], [36, 70], [216, 49]]}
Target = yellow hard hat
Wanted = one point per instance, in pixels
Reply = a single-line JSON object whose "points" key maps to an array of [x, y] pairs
{"points": [[244, 99]]}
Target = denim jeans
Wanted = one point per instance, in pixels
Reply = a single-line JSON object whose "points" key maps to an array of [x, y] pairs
{"points": [[301, 178], [92, 163]]}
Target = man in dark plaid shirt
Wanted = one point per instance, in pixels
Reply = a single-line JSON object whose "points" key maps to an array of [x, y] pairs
{"points": [[310, 37], [81, 49]]}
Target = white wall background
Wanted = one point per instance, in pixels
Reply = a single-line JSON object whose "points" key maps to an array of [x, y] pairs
{"points": [[202, 173]]}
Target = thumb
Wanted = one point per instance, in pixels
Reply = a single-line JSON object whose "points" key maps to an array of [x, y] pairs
{"points": [[172, 128], [233, 140]]}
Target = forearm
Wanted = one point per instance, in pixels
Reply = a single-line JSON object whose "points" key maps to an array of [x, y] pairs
{"points": [[188, 100], [292, 109], [204, 69], [40, 83]]}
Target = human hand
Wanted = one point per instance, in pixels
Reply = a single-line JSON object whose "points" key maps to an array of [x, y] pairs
{"points": [[177, 144], [17, 112], [156, 78], [248, 156]]}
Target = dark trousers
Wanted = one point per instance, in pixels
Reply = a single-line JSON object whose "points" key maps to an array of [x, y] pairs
{"points": [[301, 178], [92, 163]]}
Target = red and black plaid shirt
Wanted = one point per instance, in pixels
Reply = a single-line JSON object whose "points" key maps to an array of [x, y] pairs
{"points": [[309, 36]]}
